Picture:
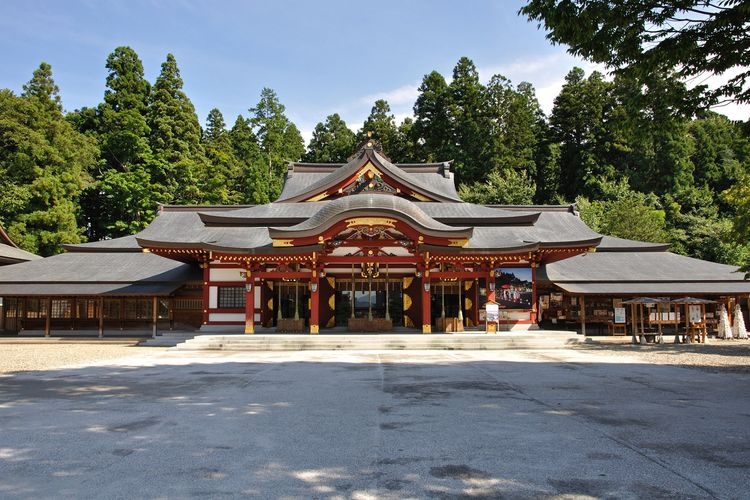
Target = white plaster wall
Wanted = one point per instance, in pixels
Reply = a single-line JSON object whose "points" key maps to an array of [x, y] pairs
{"points": [[256, 291], [226, 275], [256, 318], [213, 297], [226, 317]]}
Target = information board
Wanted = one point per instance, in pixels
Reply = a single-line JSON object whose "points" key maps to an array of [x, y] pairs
{"points": [[619, 315]]}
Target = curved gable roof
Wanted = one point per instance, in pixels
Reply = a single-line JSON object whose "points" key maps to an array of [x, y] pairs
{"points": [[370, 205], [313, 180]]}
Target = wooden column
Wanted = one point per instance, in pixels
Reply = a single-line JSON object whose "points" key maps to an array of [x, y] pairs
{"points": [[426, 317], [534, 305], [171, 313], [315, 302], [633, 322], [154, 315], [206, 279], [2, 314], [249, 303], [47, 317], [491, 284], [101, 317]]}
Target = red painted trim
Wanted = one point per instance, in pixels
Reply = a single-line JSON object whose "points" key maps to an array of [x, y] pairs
{"points": [[356, 259], [227, 283], [205, 294], [283, 274], [233, 310]]}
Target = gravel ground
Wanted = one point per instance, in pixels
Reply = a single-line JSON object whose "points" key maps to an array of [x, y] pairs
{"points": [[24, 357], [716, 355]]}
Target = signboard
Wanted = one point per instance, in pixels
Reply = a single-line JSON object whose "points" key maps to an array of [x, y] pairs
{"points": [[493, 312], [695, 314], [619, 315]]}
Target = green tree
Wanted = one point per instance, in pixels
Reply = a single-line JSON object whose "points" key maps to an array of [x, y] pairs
{"points": [[43, 167], [579, 124], [332, 142], [738, 196], [221, 183], [254, 178], [470, 146], [382, 125], [175, 136], [278, 138], [632, 215], [512, 187], [644, 38], [432, 125]]}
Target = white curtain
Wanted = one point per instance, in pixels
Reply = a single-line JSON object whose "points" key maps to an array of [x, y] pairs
{"points": [[738, 328], [725, 329]]}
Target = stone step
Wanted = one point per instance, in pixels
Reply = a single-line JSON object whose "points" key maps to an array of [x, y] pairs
{"points": [[168, 339], [525, 340]]}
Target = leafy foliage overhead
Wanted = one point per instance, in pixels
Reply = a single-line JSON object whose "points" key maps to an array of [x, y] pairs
{"points": [[651, 37]]}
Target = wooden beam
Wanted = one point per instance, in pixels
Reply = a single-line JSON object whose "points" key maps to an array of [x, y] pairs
{"points": [[154, 315], [101, 317]]}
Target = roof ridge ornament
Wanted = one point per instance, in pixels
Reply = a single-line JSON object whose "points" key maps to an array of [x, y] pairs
{"points": [[368, 144]]}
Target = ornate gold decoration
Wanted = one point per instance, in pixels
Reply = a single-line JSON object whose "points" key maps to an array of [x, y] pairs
{"points": [[332, 282], [269, 284], [408, 322], [282, 243], [458, 243], [407, 302], [369, 171], [270, 304], [249, 327], [314, 329], [370, 221], [469, 322], [419, 196], [421, 238], [467, 303], [318, 197], [320, 239], [331, 322], [332, 302], [426, 328], [468, 284], [407, 281]]}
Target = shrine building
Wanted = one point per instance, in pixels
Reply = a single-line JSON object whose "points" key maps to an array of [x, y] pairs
{"points": [[367, 246]]}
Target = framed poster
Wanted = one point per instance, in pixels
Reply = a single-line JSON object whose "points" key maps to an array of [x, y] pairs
{"points": [[695, 314], [620, 315], [544, 301], [514, 287], [493, 312], [574, 301]]}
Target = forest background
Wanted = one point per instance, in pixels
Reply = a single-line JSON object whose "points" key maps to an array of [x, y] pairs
{"points": [[637, 162]]}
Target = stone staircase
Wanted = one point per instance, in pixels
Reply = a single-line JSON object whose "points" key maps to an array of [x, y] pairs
{"points": [[365, 342], [168, 339]]}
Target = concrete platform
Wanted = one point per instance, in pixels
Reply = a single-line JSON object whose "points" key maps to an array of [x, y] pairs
{"points": [[374, 341]]}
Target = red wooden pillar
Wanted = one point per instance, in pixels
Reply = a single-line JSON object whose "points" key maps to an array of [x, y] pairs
{"points": [[534, 304], [206, 279], [425, 292], [314, 303], [249, 303], [491, 284]]}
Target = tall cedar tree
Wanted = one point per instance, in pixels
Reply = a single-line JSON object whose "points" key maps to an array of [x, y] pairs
{"points": [[432, 128], [382, 125], [43, 167], [123, 199], [469, 146], [279, 139], [332, 142], [175, 136]]}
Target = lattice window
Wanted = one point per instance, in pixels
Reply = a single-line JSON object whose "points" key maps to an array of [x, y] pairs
{"points": [[231, 297]]}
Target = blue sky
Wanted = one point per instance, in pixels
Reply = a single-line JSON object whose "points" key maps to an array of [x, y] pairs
{"points": [[320, 56]]}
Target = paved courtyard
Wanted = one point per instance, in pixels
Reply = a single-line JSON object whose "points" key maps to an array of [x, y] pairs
{"points": [[564, 423]]}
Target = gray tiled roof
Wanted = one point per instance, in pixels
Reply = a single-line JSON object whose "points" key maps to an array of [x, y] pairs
{"points": [[124, 244], [634, 266], [11, 255], [81, 273], [308, 182]]}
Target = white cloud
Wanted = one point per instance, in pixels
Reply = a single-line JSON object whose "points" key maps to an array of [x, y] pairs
{"points": [[406, 94]]}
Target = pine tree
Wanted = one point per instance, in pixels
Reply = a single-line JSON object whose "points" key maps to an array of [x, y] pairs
{"points": [[44, 165], [381, 124], [332, 142], [278, 138], [432, 126], [175, 136], [469, 144]]}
